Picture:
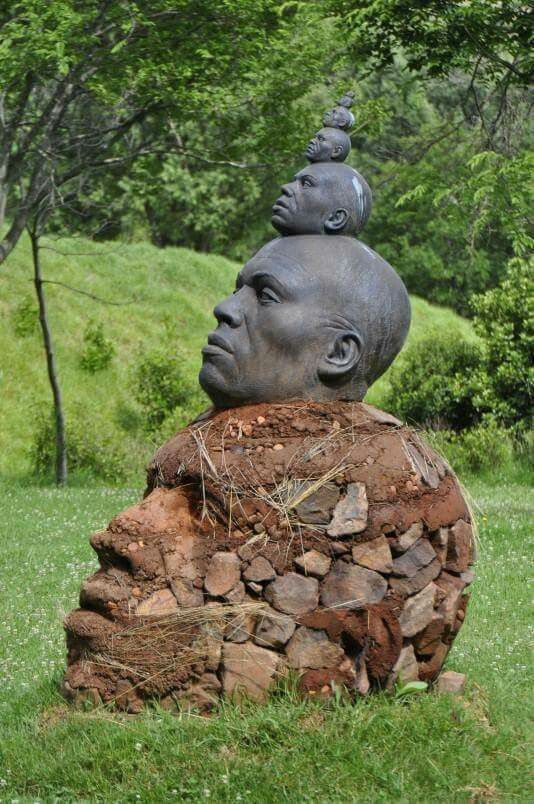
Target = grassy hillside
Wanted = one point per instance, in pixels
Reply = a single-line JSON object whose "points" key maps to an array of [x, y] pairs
{"points": [[171, 294]]}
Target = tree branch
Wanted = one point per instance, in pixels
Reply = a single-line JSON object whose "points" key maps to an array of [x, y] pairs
{"points": [[86, 293]]}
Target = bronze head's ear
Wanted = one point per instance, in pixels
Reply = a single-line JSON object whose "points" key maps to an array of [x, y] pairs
{"points": [[336, 222], [343, 356]]}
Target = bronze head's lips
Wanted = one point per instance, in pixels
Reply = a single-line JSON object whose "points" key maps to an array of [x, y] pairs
{"points": [[282, 205], [216, 343]]}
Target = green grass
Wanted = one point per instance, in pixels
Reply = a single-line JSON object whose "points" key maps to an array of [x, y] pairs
{"points": [[429, 749], [174, 291]]}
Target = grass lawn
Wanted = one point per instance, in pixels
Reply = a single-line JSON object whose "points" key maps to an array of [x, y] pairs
{"points": [[431, 748]]}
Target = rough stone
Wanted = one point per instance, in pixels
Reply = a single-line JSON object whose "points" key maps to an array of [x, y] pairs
{"points": [[439, 541], [418, 611], [312, 649], [374, 555], [87, 697], [405, 668], [314, 563], [237, 594], [316, 509], [274, 630], [381, 416], [293, 594], [410, 586], [202, 695], [352, 587], [451, 682], [426, 641], [185, 593], [248, 670], [159, 603], [350, 513], [453, 587], [467, 577], [239, 628], [223, 574], [414, 559], [423, 466], [259, 571], [405, 540], [459, 548], [429, 670]]}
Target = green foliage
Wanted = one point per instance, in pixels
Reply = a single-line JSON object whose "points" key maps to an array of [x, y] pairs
{"points": [[486, 446], [161, 384], [431, 384], [440, 36], [25, 318], [504, 320], [98, 350], [447, 382], [93, 445]]}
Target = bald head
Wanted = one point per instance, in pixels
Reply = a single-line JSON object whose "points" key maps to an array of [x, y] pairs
{"points": [[324, 198], [328, 145], [311, 318]]}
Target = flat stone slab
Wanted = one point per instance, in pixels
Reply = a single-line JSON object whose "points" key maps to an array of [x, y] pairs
{"points": [[223, 574], [350, 514], [293, 594], [248, 670], [374, 555], [351, 587], [312, 649]]}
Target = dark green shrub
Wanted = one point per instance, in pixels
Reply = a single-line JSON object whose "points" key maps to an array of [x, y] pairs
{"points": [[98, 350], [485, 446], [432, 383], [504, 320], [92, 446], [25, 317], [163, 384]]}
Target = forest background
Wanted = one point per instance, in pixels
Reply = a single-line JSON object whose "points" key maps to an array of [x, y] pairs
{"points": [[176, 122]]}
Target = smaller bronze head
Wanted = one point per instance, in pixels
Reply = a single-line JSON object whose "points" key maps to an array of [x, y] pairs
{"points": [[339, 117], [328, 145], [324, 198]]}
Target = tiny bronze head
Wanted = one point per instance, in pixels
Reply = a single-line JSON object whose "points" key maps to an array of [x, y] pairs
{"points": [[328, 145]]}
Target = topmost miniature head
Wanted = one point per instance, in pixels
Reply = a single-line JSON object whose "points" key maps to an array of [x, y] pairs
{"points": [[340, 116]]}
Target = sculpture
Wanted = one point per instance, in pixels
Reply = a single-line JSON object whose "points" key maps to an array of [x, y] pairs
{"points": [[293, 527]]}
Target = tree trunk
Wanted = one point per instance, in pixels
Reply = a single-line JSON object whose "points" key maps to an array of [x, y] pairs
{"points": [[61, 441]]}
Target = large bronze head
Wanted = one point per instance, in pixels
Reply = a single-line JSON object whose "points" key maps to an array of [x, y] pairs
{"points": [[312, 317]]}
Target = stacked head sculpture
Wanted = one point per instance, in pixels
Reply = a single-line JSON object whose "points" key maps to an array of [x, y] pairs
{"points": [[312, 316], [293, 527]]}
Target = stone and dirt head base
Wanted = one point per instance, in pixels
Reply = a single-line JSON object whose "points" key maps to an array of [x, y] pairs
{"points": [[323, 538]]}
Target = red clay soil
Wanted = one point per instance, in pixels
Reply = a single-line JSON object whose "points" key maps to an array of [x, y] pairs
{"points": [[268, 485]]}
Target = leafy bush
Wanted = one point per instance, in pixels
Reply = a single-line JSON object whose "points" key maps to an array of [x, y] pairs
{"points": [[25, 318], [98, 350], [485, 446], [162, 386], [432, 383], [504, 320], [92, 446]]}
